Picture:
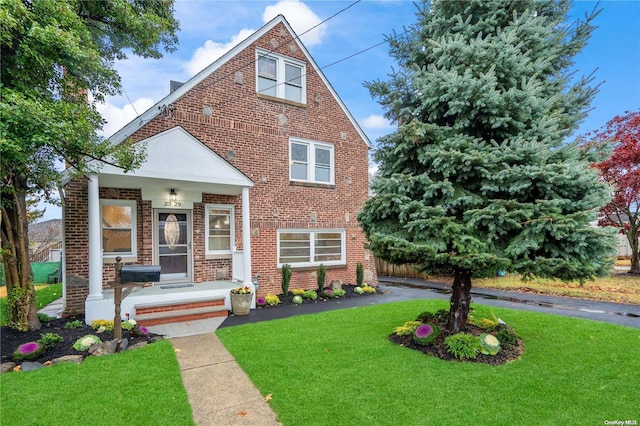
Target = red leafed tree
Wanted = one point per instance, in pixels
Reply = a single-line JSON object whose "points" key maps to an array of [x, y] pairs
{"points": [[622, 172]]}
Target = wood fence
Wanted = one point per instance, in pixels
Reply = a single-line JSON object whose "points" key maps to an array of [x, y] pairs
{"points": [[407, 270]]}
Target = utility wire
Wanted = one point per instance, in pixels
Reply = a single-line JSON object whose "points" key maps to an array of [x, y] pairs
{"points": [[275, 49], [230, 73]]}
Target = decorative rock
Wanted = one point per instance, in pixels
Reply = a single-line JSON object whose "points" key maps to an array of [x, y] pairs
{"points": [[76, 359], [123, 345], [336, 284], [138, 345], [6, 367], [105, 348], [30, 366]]}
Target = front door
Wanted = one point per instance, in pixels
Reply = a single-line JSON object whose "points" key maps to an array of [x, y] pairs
{"points": [[173, 251]]}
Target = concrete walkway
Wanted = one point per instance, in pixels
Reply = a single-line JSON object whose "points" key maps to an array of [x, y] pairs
{"points": [[219, 391]]}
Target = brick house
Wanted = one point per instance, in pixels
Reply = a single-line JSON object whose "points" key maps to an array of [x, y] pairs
{"points": [[253, 163]]}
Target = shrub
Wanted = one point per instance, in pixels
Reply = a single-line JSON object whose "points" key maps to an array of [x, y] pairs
{"points": [[139, 330], [426, 334], [129, 324], [286, 278], [49, 340], [272, 299], [328, 293], [441, 315], [359, 274], [28, 351], [368, 289], [297, 299], [507, 336], [102, 325], [321, 277], [297, 292], [338, 292], [407, 328], [74, 324], [489, 344], [358, 290], [462, 345], [83, 343], [310, 294], [44, 317]]}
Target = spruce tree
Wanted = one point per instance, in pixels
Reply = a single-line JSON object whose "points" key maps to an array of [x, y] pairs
{"points": [[479, 177]]}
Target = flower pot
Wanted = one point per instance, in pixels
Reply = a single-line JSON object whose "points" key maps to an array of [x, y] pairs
{"points": [[241, 303]]}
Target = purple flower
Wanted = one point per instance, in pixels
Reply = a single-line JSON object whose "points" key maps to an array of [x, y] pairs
{"points": [[28, 348], [423, 331], [261, 301], [144, 330]]}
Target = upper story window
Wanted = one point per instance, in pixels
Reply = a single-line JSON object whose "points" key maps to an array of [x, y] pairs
{"points": [[281, 77], [118, 219], [311, 161], [219, 226]]}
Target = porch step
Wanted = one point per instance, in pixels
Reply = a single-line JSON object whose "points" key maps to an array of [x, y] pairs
{"points": [[149, 314]]}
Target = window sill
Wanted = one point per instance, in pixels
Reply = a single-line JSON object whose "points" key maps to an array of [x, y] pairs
{"points": [[312, 184], [281, 100], [107, 260], [314, 268], [211, 256]]}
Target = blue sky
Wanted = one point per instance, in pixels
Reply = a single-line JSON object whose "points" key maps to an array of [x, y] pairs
{"points": [[211, 27]]}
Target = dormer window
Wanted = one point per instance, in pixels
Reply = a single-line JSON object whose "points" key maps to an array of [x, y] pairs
{"points": [[281, 77]]}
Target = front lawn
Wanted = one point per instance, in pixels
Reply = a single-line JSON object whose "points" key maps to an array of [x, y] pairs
{"points": [[138, 387], [45, 294], [339, 368]]}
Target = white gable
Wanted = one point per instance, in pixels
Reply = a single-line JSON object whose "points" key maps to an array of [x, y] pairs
{"points": [[175, 156]]}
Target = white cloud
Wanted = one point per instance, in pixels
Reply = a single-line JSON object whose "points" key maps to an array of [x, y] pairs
{"points": [[211, 50], [376, 122], [301, 18], [117, 117], [298, 14]]}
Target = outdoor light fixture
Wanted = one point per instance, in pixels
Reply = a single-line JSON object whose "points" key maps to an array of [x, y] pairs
{"points": [[172, 195]]}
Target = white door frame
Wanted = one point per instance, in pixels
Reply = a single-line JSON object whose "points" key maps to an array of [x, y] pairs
{"points": [[156, 249]]}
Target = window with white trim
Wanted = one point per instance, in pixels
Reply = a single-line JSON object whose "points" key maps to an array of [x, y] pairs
{"points": [[311, 161], [219, 228], [300, 248], [118, 219], [281, 77]]}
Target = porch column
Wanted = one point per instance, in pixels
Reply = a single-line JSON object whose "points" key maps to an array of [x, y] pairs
{"points": [[246, 237], [95, 251]]}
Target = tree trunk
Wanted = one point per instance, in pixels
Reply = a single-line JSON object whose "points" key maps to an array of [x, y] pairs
{"points": [[460, 300], [23, 314], [633, 237]]}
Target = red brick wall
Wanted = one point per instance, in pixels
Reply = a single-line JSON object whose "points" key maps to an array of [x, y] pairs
{"points": [[257, 129]]}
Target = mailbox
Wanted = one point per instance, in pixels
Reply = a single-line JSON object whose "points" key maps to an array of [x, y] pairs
{"points": [[139, 273]]}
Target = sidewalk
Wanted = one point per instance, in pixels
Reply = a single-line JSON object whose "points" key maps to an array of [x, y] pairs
{"points": [[219, 391]]}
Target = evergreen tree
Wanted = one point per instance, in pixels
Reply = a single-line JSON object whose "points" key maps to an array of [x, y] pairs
{"points": [[478, 176]]}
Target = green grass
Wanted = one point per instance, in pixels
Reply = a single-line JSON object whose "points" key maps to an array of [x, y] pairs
{"points": [[339, 368], [139, 387], [44, 296]]}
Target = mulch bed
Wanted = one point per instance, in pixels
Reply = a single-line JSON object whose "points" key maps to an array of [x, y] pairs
{"points": [[11, 339], [288, 300], [438, 349]]}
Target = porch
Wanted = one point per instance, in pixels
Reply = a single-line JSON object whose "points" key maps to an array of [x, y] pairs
{"points": [[185, 297]]}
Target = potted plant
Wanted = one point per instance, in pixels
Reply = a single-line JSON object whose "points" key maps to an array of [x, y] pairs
{"points": [[241, 300]]}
